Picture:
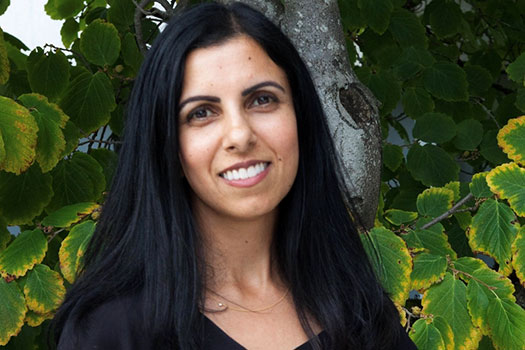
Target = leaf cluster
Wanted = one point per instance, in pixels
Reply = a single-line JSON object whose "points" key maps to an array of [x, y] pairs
{"points": [[448, 239], [61, 118]]}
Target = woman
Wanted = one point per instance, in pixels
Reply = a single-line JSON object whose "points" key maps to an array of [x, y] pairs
{"points": [[226, 226]]}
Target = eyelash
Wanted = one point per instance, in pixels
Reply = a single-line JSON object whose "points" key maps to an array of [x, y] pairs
{"points": [[271, 99]]}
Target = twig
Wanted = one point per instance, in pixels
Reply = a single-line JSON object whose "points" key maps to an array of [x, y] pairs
{"points": [[140, 12], [448, 212], [474, 278], [137, 19], [105, 142], [82, 58], [50, 238], [489, 113]]}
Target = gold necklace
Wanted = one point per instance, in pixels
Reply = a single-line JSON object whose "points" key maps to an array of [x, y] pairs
{"points": [[223, 307]]}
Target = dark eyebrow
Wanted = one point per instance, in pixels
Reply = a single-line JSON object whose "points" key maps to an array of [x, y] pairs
{"points": [[260, 85], [199, 98]]}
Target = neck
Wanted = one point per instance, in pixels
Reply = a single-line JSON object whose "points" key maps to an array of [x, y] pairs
{"points": [[238, 253]]}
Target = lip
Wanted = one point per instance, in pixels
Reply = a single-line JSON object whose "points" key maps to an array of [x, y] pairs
{"points": [[252, 181]]}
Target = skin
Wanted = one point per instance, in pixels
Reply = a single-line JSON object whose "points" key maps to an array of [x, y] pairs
{"points": [[236, 106]]}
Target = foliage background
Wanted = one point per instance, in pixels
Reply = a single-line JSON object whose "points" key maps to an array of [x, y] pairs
{"points": [[450, 79]]}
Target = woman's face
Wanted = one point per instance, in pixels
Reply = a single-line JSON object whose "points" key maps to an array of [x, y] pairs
{"points": [[238, 134]]}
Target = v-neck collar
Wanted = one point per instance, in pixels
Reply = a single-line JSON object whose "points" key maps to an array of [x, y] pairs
{"points": [[217, 339]]}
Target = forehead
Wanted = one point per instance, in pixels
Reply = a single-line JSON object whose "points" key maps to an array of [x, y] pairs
{"points": [[237, 61]]}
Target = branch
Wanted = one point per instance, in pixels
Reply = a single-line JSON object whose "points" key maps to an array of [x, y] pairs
{"points": [[140, 12], [451, 211], [78, 54], [50, 238], [474, 278], [104, 142], [489, 113]]}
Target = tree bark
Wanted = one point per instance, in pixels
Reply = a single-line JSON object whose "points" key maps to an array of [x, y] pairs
{"points": [[314, 26]]}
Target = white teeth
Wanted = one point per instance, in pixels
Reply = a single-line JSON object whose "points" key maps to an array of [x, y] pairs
{"points": [[243, 174], [251, 171]]}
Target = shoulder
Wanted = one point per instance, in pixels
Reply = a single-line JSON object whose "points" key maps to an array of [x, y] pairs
{"points": [[115, 324]]}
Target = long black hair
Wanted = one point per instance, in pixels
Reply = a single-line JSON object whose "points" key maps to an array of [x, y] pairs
{"points": [[146, 239]]}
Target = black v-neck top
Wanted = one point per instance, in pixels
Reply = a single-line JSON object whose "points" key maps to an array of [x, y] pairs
{"points": [[115, 325]]}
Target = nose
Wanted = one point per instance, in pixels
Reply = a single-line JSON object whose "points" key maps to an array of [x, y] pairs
{"points": [[239, 135]]}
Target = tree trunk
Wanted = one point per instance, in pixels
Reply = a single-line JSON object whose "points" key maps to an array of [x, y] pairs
{"points": [[314, 26]]}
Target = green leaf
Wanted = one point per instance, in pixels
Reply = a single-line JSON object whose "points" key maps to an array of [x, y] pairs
{"points": [[506, 320], [70, 214], [43, 289], [48, 74], [89, 100], [518, 255], [62, 9], [448, 299], [24, 196], [392, 156], [35, 319], [479, 79], [469, 135], [412, 61], [5, 236], [130, 52], [469, 265], [391, 261], [433, 240], [434, 127], [445, 330], [17, 57], [455, 187], [18, 131], [50, 120], [490, 150], [435, 201], [73, 248], [428, 269], [75, 180], [12, 310], [406, 29], [511, 138], [4, 4], [431, 165], [376, 13], [426, 336], [350, 15], [486, 285], [446, 81], [100, 43], [108, 160], [69, 32], [398, 217], [121, 13], [445, 19], [4, 60], [492, 232], [387, 90], [27, 250], [516, 70], [479, 187], [72, 135], [508, 182], [416, 102]]}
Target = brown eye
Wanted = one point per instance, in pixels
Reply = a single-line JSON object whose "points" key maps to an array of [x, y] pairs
{"points": [[262, 100], [199, 114]]}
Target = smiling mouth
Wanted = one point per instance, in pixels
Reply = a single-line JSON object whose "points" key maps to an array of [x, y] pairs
{"points": [[245, 173]]}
